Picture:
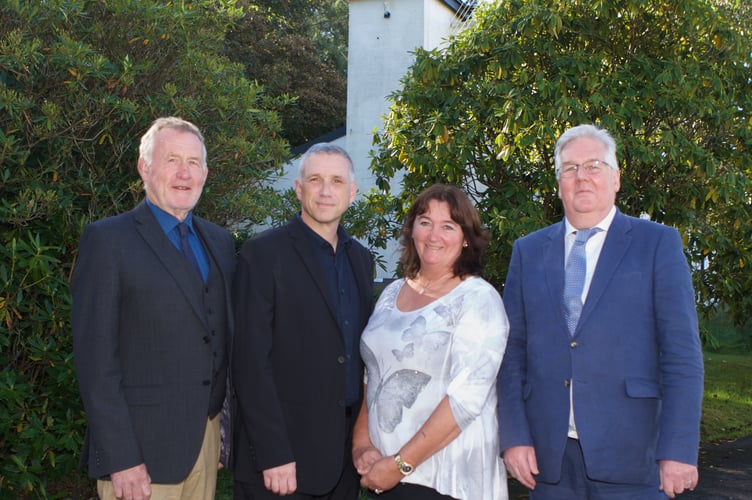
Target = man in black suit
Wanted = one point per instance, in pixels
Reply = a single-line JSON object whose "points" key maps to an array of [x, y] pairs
{"points": [[304, 294], [151, 317]]}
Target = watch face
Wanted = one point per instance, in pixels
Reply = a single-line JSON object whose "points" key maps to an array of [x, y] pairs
{"points": [[405, 468]]}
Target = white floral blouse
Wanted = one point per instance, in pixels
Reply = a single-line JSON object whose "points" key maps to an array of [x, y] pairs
{"points": [[451, 347]]}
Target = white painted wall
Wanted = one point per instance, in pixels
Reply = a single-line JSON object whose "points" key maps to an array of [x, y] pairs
{"points": [[380, 51]]}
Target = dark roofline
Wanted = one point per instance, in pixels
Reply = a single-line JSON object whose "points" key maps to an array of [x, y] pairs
{"points": [[461, 8], [328, 137]]}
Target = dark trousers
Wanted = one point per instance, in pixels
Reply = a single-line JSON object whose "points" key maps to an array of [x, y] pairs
{"points": [[347, 488], [407, 491], [576, 485]]}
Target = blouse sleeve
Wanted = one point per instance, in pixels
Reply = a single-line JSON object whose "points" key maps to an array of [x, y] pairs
{"points": [[477, 349]]}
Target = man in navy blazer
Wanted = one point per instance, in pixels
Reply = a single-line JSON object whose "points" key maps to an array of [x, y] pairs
{"points": [[611, 408], [303, 294], [150, 330]]}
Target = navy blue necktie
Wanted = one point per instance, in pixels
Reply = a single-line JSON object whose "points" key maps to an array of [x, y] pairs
{"points": [[185, 247], [574, 277]]}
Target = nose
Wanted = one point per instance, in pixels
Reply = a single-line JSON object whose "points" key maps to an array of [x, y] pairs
{"points": [[184, 170]]}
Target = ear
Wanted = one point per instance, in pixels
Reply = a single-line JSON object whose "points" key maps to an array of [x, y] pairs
{"points": [[353, 191], [143, 169], [298, 190]]}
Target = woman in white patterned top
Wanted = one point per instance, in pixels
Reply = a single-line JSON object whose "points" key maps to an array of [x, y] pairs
{"points": [[432, 349]]}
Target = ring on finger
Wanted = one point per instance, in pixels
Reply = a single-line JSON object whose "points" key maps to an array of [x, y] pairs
{"points": [[378, 491]]}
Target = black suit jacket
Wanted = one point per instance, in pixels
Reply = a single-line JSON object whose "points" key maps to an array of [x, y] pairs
{"points": [[150, 370], [288, 365]]}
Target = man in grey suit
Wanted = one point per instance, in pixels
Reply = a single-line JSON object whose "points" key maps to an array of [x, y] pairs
{"points": [[151, 319]]}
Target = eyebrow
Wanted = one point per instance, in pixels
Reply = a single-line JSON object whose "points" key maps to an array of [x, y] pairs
{"points": [[584, 161], [442, 221]]}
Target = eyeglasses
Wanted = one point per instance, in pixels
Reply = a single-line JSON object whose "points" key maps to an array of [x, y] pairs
{"points": [[591, 168]]}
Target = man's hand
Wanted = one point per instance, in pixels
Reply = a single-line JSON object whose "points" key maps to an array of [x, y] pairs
{"points": [[676, 477], [132, 484], [364, 457], [522, 464], [281, 480]]}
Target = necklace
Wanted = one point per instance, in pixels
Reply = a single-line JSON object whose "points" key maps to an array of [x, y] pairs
{"points": [[421, 287]]}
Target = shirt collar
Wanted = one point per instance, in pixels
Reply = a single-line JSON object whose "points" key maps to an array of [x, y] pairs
{"points": [[604, 224], [167, 221], [342, 237]]}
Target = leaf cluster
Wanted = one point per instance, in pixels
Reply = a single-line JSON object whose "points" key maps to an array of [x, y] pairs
{"points": [[671, 84], [298, 50], [80, 82]]}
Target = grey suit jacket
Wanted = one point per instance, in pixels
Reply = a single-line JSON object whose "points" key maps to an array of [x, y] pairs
{"points": [[150, 367]]}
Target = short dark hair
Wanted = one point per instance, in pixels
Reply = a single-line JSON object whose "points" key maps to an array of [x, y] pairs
{"points": [[463, 212]]}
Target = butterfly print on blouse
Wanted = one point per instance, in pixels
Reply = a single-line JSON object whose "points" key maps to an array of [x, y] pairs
{"points": [[396, 391]]}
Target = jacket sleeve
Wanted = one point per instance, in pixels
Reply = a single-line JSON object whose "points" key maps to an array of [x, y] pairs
{"points": [[513, 425], [681, 363], [95, 286], [252, 369]]}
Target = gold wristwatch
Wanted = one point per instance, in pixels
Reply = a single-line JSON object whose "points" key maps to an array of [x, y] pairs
{"points": [[405, 468]]}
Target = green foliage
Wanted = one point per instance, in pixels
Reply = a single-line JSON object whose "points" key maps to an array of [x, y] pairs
{"points": [[80, 82], [727, 397], [672, 85], [720, 335], [372, 221], [299, 50], [40, 419]]}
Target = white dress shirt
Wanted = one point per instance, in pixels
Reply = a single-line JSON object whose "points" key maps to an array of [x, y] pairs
{"points": [[592, 253]]}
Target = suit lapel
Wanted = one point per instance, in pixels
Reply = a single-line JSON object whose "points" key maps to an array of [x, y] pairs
{"points": [[303, 246], [361, 278], [614, 248], [553, 262], [148, 227]]}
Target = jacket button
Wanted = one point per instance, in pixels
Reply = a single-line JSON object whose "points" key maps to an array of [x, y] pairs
{"points": [[573, 344], [340, 359], [567, 383]]}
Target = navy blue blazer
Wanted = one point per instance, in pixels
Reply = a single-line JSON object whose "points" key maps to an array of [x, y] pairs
{"points": [[150, 367], [635, 360]]}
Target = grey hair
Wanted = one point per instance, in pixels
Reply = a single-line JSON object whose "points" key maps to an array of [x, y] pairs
{"points": [[586, 130], [146, 147], [326, 148]]}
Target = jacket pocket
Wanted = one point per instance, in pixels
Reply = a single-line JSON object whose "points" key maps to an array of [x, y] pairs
{"points": [[642, 388]]}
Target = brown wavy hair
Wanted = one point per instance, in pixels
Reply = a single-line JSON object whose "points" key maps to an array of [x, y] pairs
{"points": [[463, 212]]}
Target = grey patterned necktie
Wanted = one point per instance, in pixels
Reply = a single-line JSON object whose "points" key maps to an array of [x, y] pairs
{"points": [[574, 277]]}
